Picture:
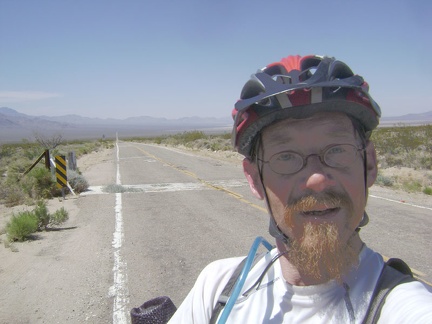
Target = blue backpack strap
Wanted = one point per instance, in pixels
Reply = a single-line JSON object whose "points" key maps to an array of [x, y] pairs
{"points": [[394, 272], [226, 292]]}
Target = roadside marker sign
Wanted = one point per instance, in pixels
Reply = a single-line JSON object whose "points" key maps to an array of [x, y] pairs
{"points": [[61, 175]]}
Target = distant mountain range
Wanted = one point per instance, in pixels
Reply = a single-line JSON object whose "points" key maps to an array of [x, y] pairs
{"points": [[15, 126], [425, 118], [9, 115]]}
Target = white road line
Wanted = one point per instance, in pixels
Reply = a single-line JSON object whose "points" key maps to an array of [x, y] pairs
{"points": [[119, 290], [118, 180], [400, 202]]}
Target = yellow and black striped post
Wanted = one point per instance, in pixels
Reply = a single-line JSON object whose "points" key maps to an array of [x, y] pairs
{"points": [[61, 175]]}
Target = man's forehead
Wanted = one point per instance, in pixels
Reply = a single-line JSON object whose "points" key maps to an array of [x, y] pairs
{"points": [[333, 124]]}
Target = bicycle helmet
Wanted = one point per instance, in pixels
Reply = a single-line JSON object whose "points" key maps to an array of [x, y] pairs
{"points": [[297, 87]]}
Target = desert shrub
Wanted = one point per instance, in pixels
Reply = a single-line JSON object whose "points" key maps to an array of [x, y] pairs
{"points": [[83, 150], [158, 140], [193, 139], [106, 144], [385, 181], [44, 185], [221, 144], [77, 181], [25, 223], [427, 191], [408, 146], [426, 161], [412, 186], [37, 184], [19, 165], [27, 184], [42, 215], [21, 226], [6, 150], [3, 190], [13, 195], [412, 159], [60, 216], [32, 152], [226, 136], [187, 137], [408, 138]]}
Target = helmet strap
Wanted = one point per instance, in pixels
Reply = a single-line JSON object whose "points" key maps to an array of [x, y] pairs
{"points": [[365, 218], [274, 229]]}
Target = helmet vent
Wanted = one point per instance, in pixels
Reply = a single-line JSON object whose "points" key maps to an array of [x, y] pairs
{"points": [[307, 74], [284, 79]]}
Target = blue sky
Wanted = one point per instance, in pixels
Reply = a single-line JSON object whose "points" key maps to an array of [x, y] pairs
{"points": [[172, 59]]}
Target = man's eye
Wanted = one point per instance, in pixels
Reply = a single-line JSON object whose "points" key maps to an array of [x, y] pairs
{"points": [[285, 156], [336, 150]]}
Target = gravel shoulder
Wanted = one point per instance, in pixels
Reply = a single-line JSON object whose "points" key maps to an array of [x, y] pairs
{"points": [[56, 277]]}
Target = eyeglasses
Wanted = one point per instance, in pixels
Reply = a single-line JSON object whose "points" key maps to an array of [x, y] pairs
{"points": [[335, 156]]}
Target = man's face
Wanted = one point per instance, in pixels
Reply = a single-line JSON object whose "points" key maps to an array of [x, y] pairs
{"points": [[318, 202]]}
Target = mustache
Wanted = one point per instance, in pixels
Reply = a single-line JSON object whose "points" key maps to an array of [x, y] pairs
{"points": [[309, 199]]}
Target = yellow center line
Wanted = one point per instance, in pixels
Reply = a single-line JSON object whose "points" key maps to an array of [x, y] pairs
{"points": [[208, 184]]}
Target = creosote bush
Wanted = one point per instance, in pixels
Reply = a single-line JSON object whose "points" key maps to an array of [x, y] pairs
{"points": [[77, 181], [60, 216], [42, 184], [21, 226], [384, 181], [25, 223], [13, 195], [427, 191], [194, 139], [407, 146], [42, 215]]}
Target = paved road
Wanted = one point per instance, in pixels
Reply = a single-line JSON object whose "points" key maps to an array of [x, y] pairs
{"points": [[192, 210]]}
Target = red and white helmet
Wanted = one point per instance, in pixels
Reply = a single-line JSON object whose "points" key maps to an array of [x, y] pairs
{"points": [[297, 87]]}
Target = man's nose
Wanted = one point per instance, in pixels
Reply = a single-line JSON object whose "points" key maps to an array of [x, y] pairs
{"points": [[317, 176]]}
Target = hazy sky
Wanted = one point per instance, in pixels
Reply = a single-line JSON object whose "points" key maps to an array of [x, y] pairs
{"points": [[125, 58]]}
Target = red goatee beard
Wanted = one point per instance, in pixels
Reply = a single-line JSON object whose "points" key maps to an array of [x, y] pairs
{"points": [[319, 252]]}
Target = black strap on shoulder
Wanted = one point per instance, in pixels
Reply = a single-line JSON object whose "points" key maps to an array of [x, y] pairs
{"points": [[394, 272], [226, 292]]}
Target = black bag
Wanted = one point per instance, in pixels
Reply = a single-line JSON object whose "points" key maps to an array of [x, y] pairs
{"points": [[155, 311]]}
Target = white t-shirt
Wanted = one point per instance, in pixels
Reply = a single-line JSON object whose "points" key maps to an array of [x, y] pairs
{"points": [[279, 302]]}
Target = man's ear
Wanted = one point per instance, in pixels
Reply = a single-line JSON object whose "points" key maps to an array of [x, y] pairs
{"points": [[372, 168], [251, 172]]}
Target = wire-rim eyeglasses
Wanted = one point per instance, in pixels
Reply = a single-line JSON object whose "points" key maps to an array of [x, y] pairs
{"points": [[334, 156]]}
